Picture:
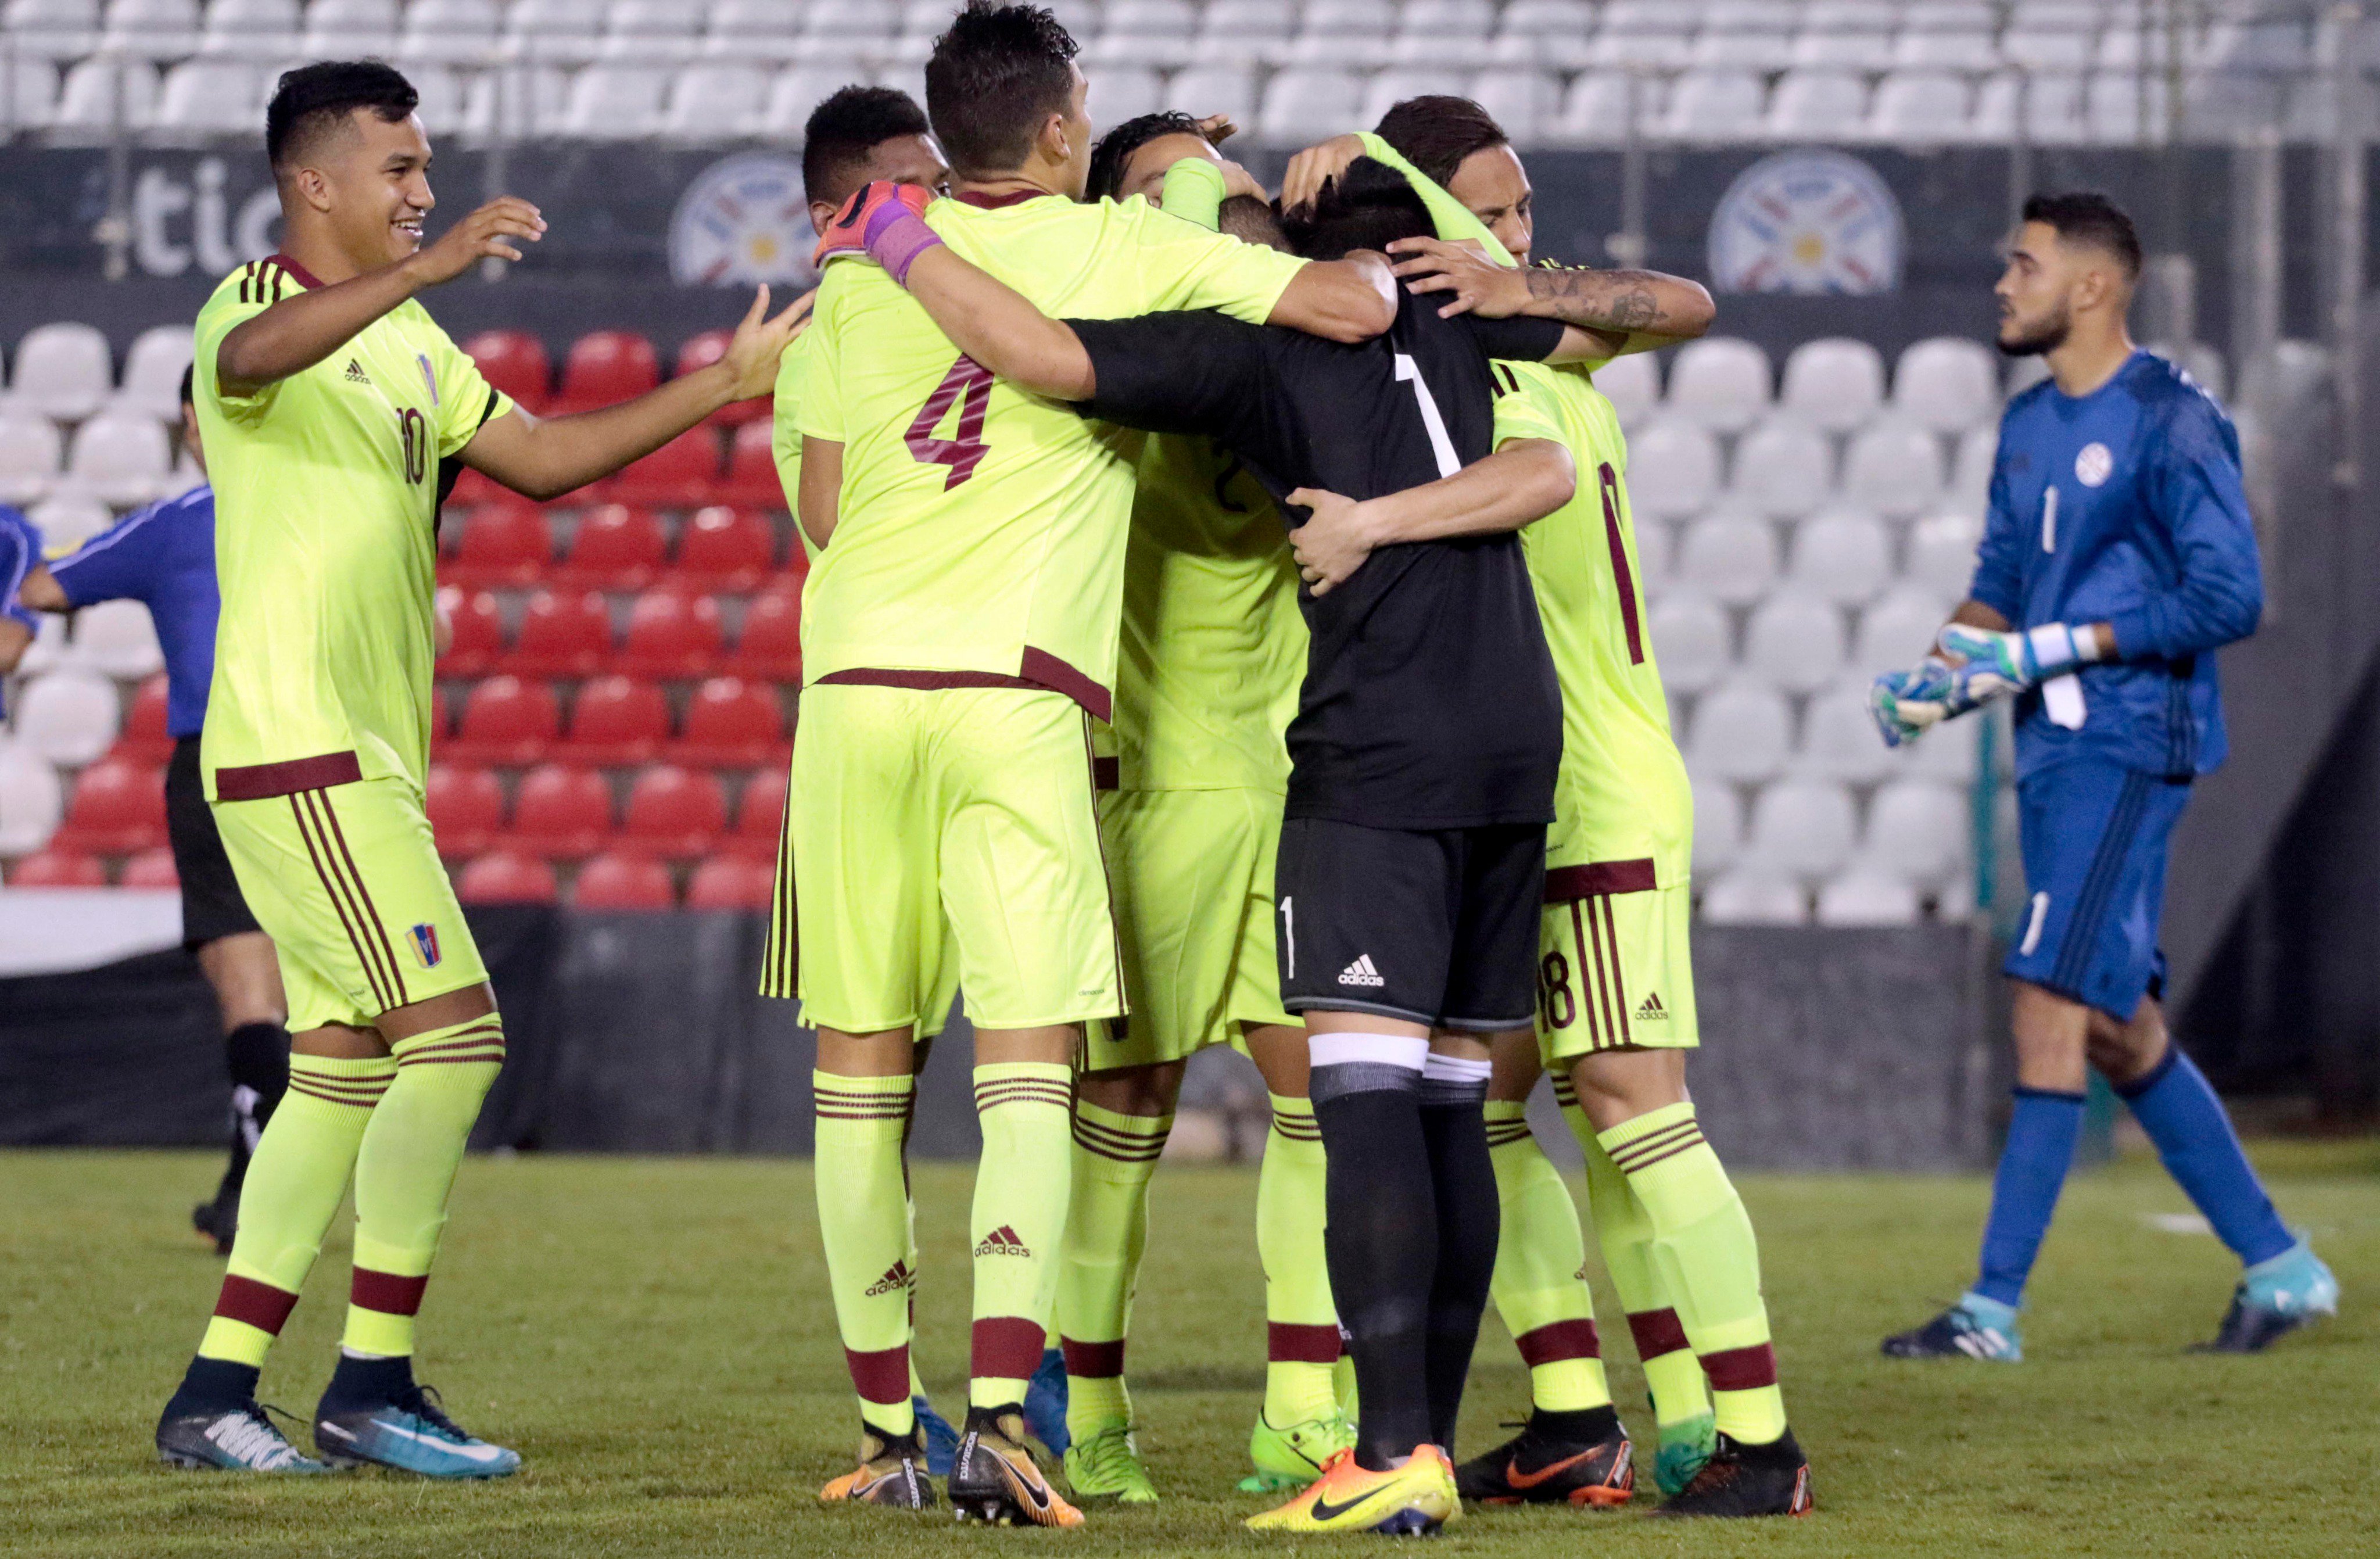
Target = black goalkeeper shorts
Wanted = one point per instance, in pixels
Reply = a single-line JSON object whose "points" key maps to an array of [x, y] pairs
{"points": [[212, 906]]}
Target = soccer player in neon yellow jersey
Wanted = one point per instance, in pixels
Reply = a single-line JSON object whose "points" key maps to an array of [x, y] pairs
{"points": [[336, 414], [959, 631]]}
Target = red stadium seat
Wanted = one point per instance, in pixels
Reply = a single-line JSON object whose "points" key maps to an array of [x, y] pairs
{"points": [[673, 811], [465, 807], [770, 649], [623, 881], [505, 543], [439, 716], [760, 814], [616, 547], [563, 633], [726, 549], [54, 867], [561, 812], [478, 628], [671, 634], [118, 808], [701, 351], [507, 720], [731, 882], [679, 475], [150, 869], [515, 362], [732, 724], [752, 478], [507, 877], [605, 368], [143, 739], [616, 721]]}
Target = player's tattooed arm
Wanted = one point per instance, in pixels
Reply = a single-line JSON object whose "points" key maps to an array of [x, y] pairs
{"points": [[1628, 311], [1525, 480]]}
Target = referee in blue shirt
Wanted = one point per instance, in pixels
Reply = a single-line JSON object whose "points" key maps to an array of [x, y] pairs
{"points": [[2118, 557], [165, 557]]}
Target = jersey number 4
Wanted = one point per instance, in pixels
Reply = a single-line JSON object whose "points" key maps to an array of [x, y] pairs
{"points": [[971, 380]]}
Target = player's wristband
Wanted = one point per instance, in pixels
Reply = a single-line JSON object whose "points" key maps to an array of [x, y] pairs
{"points": [[2056, 647], [896, 236], [1194, 191]]}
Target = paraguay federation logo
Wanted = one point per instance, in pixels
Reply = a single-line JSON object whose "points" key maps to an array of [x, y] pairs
{"points": [[743, 220], [1807, 222], [425, 944], [2094, 464]]}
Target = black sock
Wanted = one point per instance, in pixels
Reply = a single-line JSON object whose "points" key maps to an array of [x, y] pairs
{"points": [[1462, 1178], [1582, 1426], [213, 1385], [1380, 1236], [259, 1056], [368, 1382]]}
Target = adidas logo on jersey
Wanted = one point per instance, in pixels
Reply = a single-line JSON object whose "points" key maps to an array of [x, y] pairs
{"points": [[1002, 1241], [897, 1279], [1650, 1010], [356, 374], [1361, 972]]}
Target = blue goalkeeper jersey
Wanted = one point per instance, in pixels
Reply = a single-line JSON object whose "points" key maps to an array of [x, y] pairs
{"points": [[2123, 506], [163, 557], [20, 548]]}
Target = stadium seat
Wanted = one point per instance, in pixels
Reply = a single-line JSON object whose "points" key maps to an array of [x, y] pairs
{"points": [[615, 721], [46, 30], [203, 98], [770, 647], [1918, 832], [68, 716], [680, 474], [1690, 640], [675, 813], [724, 549], [515, 362], [152, 868], [1971, 468], [1949, 753], [1711, 105], [1719, 825], [616, 101], [1834, 382], [1755, 895], [730, 882], [761, 813], [1946, 384], [604, 368], [794, 94], [701, 351], [671, 635], [61, 370], [152, 374], [1221, 88], [1720, 382], [1843, 556], [1784, 468], [1655, 546], [565, 31], [1730, 558], [87, 100], [1645, 35], [1898, 631], [1741, 732], [1942, 554], [506, 721], [143, 738], [262, 27], [31, 800], [507, 877], [116, 638], [562, 633], [1596, 109], [1391, 87], [1123, 92], [67, 518], [2049, 103], [356, 29], [1817, 105], [1805, 827], [615, 547], [58, 868], [117, 808], [645, 29], [730, 724], [2117, 112], [1338, 32], [1922, 107], [121, 460], [49, 649], [478, 628], [560, 812], [520, 100], [1744, 35], [1305, 104], [1894, 467], [1241, 32], [1840, 739], [1142, 32], [1672, 470], [1633, 384], [30, 453], [1864, 898], [441, 722], [753, 30], [505, 542], [1967, 51], [1526, 102], [465, 807], [846, 31], [752, 478], [1847, 35], [1793, 642], [623, 881], [449, 29]]}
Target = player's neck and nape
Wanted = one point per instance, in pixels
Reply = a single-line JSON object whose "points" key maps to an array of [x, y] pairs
{"points": [[2095, 349]]}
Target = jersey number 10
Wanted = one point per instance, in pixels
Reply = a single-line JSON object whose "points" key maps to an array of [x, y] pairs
{"points": [[413, 432]]}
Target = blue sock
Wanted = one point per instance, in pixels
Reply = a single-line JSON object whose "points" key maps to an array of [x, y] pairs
{"points": [[2194, 1136], [2024, 1192]]}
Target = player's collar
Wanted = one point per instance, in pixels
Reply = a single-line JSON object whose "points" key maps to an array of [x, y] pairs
{"points": [[304, 278], [993, 202]]}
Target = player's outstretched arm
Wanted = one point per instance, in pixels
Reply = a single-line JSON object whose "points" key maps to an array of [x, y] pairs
{"points": [[42, 592], [297, 333], [545, 457], [1000, 327], [1634, 310], [1525, 480]]}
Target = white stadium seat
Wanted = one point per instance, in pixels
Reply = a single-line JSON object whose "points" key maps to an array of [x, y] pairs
{"points": [[87, 103], [1214, 89], [2116, 111], [1745, 35], [1898, 631], [1719, 825], [1971, 468], [1303, 105], [1918, 831], [1633, 384], [1942, 554], [1341, 32], [68, 517], [760, 32], [1595, 112], [1653, 559], [1241, 32], [616, 101], [1755, 895], [532, 99], [1893, 467], [556, 31], [61, 370], [1730, 558], [250, 28], [30, 453], [1817, 105], [1948, 752], [210, 97], [2050, 105], [1523, 101], [1782, 467], [122, 459], [1559, 34], [1391, 87], [150, 28], [453, 31], [1843, 556], [1445, 33], [1925, 106], [713, 101], [1646, 35], [1713, 106], [794, 96], [1690, 640], [32, 801], [47, 31], [1805, 827], [1793, 643], [152, 374], [1672, 470], [116, 638], [905, 76], [1141, 32], [1720, 382], [29, 93], [2037, 48], [1847, 35], [351, 28], [1834, 382], [1862, 896], [1121, 92], [1742, 731], [1947, 383], [68, 716], [1967, 51], [48, 650], [1840, 739]]}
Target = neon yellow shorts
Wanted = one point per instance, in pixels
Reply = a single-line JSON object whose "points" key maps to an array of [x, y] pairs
{"points": [[1615, 965], [346, 880], [1194, 911], [947, 827]]}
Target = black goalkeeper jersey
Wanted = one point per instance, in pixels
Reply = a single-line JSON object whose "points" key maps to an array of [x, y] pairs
{"points": [[1429, 698]]}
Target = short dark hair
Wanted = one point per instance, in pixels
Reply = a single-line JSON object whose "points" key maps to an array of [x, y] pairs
{"points": [[2085, 216], [994, 77], [1113, 150], [190, 381], [315, 97], [1252, 222], [1435, 133], [1369, 206], [844, 130]]}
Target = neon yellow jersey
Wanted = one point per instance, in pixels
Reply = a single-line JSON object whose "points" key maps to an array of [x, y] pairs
{"points": [[784, 433], [326, 503], [1622, 794], [981, 531], [1213, 644]]}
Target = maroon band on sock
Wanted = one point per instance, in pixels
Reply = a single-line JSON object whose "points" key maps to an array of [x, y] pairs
{"points": [[1005, 1347], [1657, 1332], [255, 1304], [1288, 1344], [1741, 1368], [1085, 1361], [1556, 1340], [386, 1292], [881, 1377]]}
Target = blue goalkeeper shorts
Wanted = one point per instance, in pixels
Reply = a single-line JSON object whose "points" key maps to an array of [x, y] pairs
{"points": [[2095, 837]]}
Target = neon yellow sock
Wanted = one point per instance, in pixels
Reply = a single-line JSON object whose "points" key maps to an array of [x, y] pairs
{"points": [[1540, 1281], [405, 1172], [1704, 1247], [1107, 1230], [1022, 1187], [1301, 1324], [864, 1224], [294, 1187]]}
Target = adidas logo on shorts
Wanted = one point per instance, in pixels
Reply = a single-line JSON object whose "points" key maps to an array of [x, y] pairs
{"points": [[897, 1279], [1361, 972], [1651, 1010], [356, 374], [1002, 1241]]}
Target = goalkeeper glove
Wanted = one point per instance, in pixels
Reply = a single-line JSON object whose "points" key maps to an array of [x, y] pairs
{"points": [[884, 221], [1995, 662], [1906, 704]]}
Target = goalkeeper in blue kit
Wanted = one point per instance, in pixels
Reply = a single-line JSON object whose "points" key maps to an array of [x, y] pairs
{"points": [[2117, 558]]}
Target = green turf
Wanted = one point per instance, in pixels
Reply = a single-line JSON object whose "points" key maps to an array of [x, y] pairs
{"points": [[654, 1336]]}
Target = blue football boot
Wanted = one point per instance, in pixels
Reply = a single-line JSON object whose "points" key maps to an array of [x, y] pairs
{"points": [[2275, 1297], [1974, 1328], [1045, 1404], [373, 1412]]}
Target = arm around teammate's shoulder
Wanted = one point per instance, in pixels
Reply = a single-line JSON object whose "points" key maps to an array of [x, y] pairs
{"points": [[1525, 479], [1350, 299]]}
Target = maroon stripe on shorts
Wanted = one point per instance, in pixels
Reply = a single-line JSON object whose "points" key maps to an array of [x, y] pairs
{"points": [[255, 1304], [1044, 670], [261, 782], [1558, 1340], [371, 911], [1004, 1347], [1741, 1368], [1565, 883], [336, 892], [1288, 1344], [881, 1377], [1086, 1359], [1657, 1332], [386, 1292]]}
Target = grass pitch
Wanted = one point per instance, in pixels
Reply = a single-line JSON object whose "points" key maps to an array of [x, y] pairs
{"points": [[655, 1336]]}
